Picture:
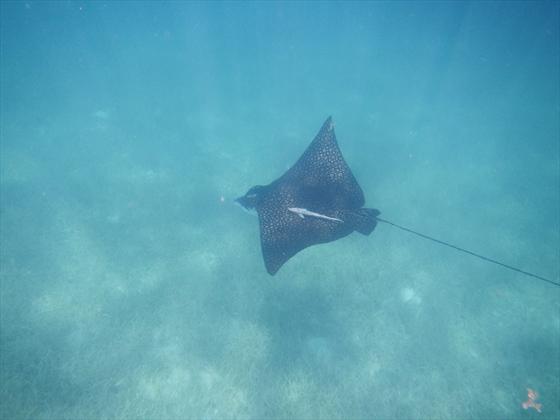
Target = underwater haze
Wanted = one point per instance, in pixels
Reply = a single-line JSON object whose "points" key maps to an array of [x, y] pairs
{"points": [[132, 287]]}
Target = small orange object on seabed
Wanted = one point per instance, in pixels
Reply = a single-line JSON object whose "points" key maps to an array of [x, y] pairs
{"points": [[531, 398]]}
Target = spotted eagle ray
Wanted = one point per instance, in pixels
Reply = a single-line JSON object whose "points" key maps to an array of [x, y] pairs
{"points": [[318, 200]]}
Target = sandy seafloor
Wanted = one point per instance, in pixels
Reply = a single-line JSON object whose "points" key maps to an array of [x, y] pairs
{"points": [[130, 290]]}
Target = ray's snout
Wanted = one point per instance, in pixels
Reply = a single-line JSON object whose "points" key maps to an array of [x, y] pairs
{"points": [[242, 201], [251, 198]]}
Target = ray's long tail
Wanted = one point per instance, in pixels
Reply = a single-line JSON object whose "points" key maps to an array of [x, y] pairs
{"points": [[466, 251]]}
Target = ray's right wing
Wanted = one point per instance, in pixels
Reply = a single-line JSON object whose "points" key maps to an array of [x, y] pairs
{"points": [[323, 168]]}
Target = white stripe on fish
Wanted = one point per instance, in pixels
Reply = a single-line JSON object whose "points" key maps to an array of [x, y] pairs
{"points": [[304, 212]]}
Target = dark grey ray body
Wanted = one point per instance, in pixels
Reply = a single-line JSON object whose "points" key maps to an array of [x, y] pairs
{"points": [[321, 182]]}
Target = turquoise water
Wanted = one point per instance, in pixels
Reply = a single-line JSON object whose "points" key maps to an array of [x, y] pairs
{"points": [[130, 289]]}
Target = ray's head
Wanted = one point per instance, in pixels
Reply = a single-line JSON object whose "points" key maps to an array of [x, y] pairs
{"points": [[252, 198]]}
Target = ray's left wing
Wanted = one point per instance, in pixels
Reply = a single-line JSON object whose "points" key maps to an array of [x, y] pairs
{"points": [[284, 234]]}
